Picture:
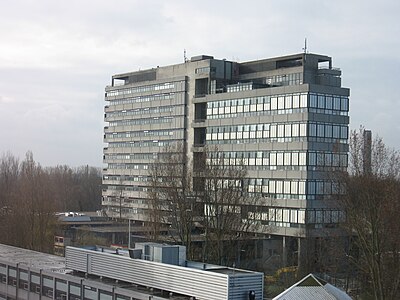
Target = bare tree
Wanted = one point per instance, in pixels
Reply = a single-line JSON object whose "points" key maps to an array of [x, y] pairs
{"points": [[27, 212], [62, 178], [9, 177], [208, 192], [372, 204], [227, 218], [36, 203], [30, 195], [76, 189], [170, 195]]}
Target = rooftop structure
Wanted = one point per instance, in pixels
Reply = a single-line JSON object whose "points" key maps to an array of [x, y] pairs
{"points": [[99, 273]]}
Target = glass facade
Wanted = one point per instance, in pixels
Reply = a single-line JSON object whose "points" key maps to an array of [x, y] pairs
{"points": [[141, 89], [277, 132], [279, 160], [277, 118], [278, 104], [310, 127]]}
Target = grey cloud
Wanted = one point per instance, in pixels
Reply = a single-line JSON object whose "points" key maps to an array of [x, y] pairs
{"points": [[56, 58]]}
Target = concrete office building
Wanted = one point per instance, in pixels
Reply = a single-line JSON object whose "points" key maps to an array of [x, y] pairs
{"points": [[102, 274], [285, 118]]}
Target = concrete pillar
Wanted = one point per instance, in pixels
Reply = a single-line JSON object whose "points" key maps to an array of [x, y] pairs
{"points": [[302, 257], [284, 251], [306, 256]]}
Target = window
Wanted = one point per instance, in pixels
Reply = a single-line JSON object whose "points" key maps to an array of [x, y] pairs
{"points": [[295, 130], [271, 214], [303, 129], [343, 132], [312, 159], [336, 103], [35, 283], [335, 132], [321, 130], [328, 131], [272, 159], [75, 291], [344, 104], [320, 187], [89, 293], [286, 187], [303, 100], [273, 131], [295, 158], [281, 102], [47, 286], [293, 216], [279, 187], [288, 130], [12, 276], [321, 101], [281, 130], [329, 102], [302, 159], [313, 100], [312, 129], [274, 103], [301, 217], [287, 159], [288, 101], [296, 101], [61, 289], [302, 187], [272, 186], [279, 159], [104, 295], [23, 280], [294, 187]]}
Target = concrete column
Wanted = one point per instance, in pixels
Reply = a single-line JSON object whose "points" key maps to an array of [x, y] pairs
{"points": [[299, 252], [284, 251], [306, 255]]}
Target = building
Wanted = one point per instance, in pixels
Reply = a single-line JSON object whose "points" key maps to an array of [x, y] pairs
{"points": [[285, 118], [92, 228], [312, 288], [99, 273]]}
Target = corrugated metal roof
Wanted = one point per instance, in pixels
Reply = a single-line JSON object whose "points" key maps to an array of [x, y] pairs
{"points": [[203, 284], [306, 292], [311, 288]]}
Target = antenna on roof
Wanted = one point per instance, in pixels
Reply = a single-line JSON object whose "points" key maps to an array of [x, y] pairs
{"points": [[184, 56], [305, 46]]}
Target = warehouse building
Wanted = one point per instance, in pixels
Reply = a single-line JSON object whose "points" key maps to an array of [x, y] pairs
{"points": [[159, 272]]}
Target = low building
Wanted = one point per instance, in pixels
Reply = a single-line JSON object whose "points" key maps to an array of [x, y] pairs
{"points": [[99, 273], [312, 288]]}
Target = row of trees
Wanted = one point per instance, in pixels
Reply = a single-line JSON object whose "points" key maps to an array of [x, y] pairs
{"points": [[214, 201], [30, 195], [372, 205]]}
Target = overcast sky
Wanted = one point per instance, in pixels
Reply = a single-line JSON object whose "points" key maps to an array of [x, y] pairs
{"points": [[56, 57]]}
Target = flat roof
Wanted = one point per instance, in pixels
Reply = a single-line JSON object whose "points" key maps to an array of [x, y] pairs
{"points": [[33, 259], [116, 229]]}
